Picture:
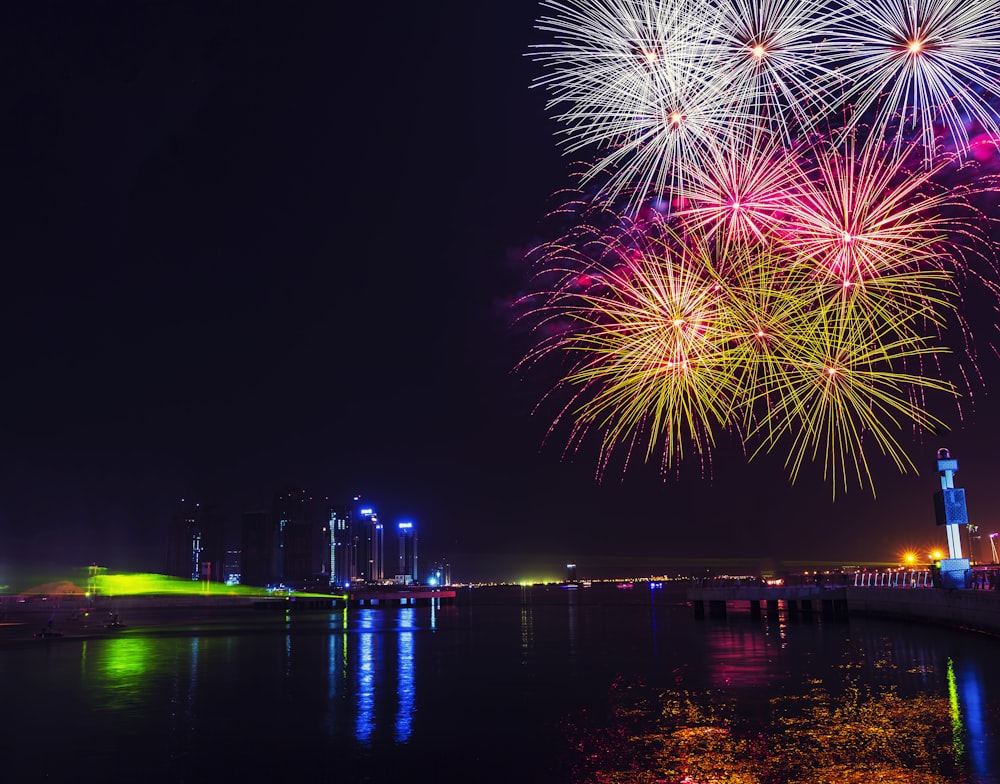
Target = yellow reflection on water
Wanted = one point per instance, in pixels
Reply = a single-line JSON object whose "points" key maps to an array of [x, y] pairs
{"points": [[858, 734]]}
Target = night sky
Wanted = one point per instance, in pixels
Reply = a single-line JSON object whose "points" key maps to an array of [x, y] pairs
{"points": [[257, 245]]}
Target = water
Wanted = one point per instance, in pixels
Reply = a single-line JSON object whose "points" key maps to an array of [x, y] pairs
{"points": [[509, 684]]}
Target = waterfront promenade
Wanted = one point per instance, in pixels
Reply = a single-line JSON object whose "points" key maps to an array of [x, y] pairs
{"points": [[900, 595]]}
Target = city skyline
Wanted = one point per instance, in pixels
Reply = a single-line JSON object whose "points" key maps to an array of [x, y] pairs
{"points": [[298, 540], [235, 264]]}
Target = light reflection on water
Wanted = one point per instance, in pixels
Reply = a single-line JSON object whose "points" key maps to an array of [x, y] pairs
{"points": [[364, 723], [889, 710], [405, 686], [592, 689], [742, 656]]}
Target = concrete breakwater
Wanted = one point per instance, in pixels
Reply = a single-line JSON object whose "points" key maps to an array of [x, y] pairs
{"points": [[978, 610], [960, 607]]}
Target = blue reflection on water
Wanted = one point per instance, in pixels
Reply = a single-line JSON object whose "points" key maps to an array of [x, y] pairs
{"points": [[336, 667], [405, 684], [364, 722], [971, 703]]}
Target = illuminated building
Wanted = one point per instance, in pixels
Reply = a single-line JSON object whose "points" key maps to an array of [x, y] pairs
{"points": [[339, 539], [407, 571], [195, 543], [440, 574], [376, 571], [367, 540], [231, 572]]}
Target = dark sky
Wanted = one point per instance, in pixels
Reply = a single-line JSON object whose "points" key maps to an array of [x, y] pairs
{"points": [[253, 245]]}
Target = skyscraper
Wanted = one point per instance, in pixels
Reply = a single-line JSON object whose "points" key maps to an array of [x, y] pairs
{"points": [[340, 543], [195, 542], [231, 571], [407, 572], [368, 543]]}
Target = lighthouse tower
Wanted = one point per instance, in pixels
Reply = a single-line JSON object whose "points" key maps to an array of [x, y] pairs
{"points": [[951, 512]]}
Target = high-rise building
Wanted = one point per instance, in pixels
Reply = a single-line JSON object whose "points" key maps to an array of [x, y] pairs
{"points": [[195, 542], [339, 538], [407, 571], [367, 539], [232, 572]]}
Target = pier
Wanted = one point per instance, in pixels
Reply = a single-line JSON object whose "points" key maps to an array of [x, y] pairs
{"points": [[899, 595], [401, 597], [368, 597], [831, 602]]}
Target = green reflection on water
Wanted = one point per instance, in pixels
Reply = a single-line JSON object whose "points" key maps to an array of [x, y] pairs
{"points": [[125, 658], [120, 669], [956, 715]]}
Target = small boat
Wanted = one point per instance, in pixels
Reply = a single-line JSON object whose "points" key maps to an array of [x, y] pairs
{"points": [[45, 634], [114, 623]]}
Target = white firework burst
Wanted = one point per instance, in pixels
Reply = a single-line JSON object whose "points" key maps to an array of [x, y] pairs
{"points": [[911, 65], [776, 61], [639, 80]]}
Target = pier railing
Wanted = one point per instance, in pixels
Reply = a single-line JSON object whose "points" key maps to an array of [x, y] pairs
{"points": [[920, 578], [866, 578]]}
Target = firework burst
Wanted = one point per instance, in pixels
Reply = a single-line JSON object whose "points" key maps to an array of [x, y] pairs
{"points": [[648, 335], [638, 81], [922, 64], [775, 62], [843, 385], [880, 236], [672, 339], [740, 192]]}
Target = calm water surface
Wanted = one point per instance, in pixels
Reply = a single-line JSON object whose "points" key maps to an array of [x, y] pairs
{"points": [[508, 685]]}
